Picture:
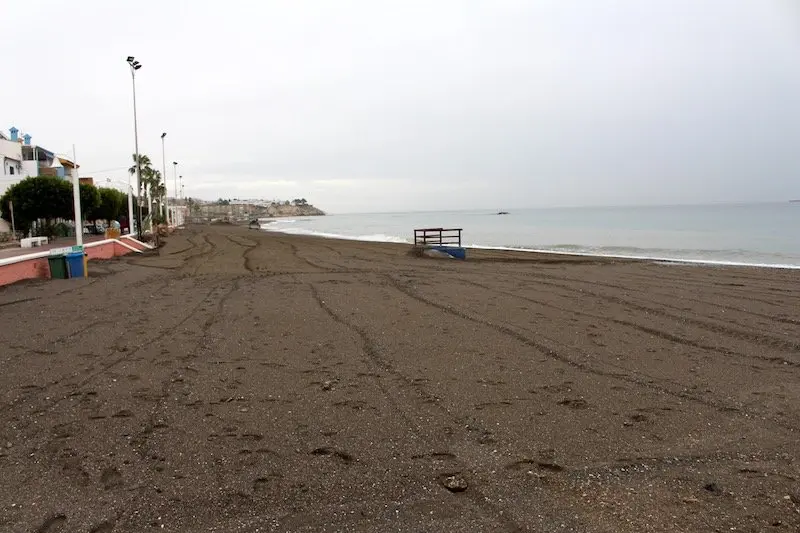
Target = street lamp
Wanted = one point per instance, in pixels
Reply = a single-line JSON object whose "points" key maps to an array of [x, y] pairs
{"points": [[174, 177], [164, 175], [135, 65], [181, 189]]}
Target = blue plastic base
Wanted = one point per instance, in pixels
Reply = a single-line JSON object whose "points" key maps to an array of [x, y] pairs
{"points": [[458, 253]]}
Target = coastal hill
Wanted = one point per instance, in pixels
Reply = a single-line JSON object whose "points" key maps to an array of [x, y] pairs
{"points": [[291, 210], [246, 210]]}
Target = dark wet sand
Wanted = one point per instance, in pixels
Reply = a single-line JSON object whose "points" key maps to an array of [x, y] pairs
{"points": [[247, 381]]}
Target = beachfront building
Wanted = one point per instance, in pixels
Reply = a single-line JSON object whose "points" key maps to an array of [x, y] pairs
{"points": [[10, 160], [10, 166], [20, 158], [39, 161]]}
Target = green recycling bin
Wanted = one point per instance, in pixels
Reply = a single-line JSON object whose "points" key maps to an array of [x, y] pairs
{"points": [[58, 266]]}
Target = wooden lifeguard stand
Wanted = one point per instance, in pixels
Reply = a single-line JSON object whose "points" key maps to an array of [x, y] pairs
{"points": [[447, 240]]}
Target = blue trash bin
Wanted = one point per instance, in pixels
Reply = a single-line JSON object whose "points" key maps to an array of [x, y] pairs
{"points": [[75, 264]]}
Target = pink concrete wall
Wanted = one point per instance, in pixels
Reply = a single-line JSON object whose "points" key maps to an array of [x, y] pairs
{"points": [[103, 251], [107, 250], [33, 268], [134, 243], [121, 250], [39, 268]]}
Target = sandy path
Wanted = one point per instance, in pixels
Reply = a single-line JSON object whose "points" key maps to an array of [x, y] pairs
{"points": [[247, 381]]}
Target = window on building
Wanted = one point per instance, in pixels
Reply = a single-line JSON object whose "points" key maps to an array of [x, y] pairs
{"points": [[11, 170]]}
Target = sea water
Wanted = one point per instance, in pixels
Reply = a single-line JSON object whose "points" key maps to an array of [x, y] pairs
{"points": [[746, 234]]}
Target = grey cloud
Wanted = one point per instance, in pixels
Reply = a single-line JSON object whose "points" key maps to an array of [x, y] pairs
{"points": [[549, 103]]}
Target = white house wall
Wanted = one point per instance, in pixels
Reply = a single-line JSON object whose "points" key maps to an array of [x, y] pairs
{"points": [[10, 157], [11, 149], [30, 169]]}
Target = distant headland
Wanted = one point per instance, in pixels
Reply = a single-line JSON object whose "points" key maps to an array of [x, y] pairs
{"points": [[238, 210]]}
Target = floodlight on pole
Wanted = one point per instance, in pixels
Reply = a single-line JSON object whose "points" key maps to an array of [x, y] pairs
{"points": [[134, 66]]}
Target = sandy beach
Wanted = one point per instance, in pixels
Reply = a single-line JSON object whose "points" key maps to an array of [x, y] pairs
{"points": [[243, 381]]}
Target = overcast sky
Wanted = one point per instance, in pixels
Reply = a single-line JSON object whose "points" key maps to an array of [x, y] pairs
{"points": [[379, 105]]}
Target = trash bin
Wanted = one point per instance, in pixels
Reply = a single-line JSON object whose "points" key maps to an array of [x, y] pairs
{"points": [[58, 266], [75, 264]]}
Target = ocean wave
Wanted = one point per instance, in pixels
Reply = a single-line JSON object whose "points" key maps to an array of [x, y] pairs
{"points": [[380, 237], [276, 220], [638, 250], [644, 255], [376, 237]]}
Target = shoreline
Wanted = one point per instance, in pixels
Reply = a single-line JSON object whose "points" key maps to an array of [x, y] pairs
{"points": [[655, 259]]}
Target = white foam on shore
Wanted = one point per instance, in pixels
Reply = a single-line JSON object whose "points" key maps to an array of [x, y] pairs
{"points": [[576, 251], [376, 237], [675, 261]]}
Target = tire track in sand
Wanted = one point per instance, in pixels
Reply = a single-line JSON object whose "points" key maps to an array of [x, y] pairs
{"points": [[582, 367], [549, 280], [126, 355], [376, 360], [671, 337]]}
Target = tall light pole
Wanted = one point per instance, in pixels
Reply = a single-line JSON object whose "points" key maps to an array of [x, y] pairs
{"points": [[174, 176], [135, 65], [76, 200], [164, 175], [181, 189]]}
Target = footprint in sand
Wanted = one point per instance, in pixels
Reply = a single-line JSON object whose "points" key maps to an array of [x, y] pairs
{"points": [[333, 452], [439, 457], [53, 524], [574, 403], [262, 484], [110, 478], [104, 527], [529, 464]]}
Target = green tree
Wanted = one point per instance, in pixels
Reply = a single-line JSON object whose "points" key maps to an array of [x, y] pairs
{"points": [[90, 201], [113, 204], [41, 197]]}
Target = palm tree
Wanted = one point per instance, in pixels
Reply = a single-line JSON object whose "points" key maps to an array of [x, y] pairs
{"points": [[144, 164], [147, 177], [154, 186], [145, 167]]}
